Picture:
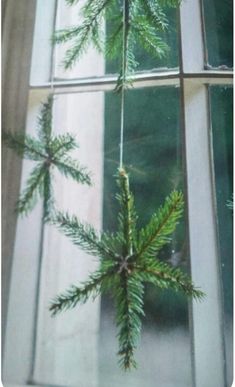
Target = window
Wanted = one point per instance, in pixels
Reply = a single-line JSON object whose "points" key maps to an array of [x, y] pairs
{"points": [[177, 135]]}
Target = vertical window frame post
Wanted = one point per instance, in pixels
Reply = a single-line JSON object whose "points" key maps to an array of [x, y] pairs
{"points": [[206, 316]]}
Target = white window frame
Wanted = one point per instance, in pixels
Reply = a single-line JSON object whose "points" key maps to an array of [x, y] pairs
{"points": [[208, 350]]}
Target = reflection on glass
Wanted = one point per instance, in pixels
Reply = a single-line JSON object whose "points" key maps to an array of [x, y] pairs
{"points": [[219, 32], [152, 154], [222, 129]]}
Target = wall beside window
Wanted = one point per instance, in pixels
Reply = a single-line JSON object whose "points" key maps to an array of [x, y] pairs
{"points": [[16, 59]]}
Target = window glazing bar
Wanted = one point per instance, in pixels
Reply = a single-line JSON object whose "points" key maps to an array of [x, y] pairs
{"points": [[165, 78], [206, 316]]}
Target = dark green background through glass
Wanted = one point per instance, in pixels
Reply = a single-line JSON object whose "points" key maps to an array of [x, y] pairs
{"points": [[222, 130], [147, 61], [219, 32], [152, 155]]}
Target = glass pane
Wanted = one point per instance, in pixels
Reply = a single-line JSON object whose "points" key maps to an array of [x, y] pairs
{"points": [[219, 32], [152, 154], [91, 63], [67, 345], [222, 129], [147, 61], [42, 48]]}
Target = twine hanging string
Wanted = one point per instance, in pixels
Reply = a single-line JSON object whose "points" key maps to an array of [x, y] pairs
{"points": [[52, 72], [124, 60], [53, 51]]}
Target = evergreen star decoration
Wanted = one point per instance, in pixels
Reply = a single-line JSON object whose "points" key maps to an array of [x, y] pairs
{"points": [[49, 152], [144, 23], [127, 261]]}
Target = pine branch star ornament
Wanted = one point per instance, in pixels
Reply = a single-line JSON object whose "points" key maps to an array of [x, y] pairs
{"points": [[49, 152], [128, 260], [144, 24]]}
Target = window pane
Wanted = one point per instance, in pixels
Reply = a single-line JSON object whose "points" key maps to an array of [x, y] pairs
{"points": [[67, 345], [42, 48], [219, 32], [222, 129], [91, 63], [152, 153], [148, 61]]}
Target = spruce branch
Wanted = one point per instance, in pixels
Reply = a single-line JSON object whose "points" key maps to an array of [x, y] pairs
{"points": [[86, 33], [142, 25], [84, 236], [166, 277], [125, 44], [24, 145], [113, 44], [163, 223], [45, 121], [169, 3], [71, 168], [74, 295], [127, 216], [125, 78], [148, 39], [62, 144], [32, 191], [154, 14], [48, 202], [129, 306], [72, 2], [48, 151], [65, 34], [127, 261]]}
